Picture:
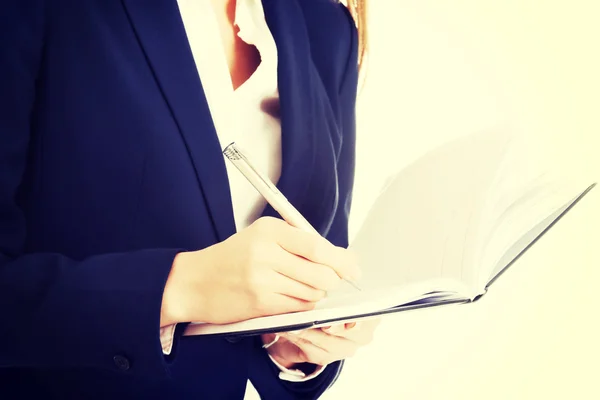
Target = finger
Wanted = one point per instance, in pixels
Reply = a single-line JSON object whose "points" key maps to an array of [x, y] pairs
{"points": [[332, 344], [334, 329], [279, 304], [341, 328], [317, 276], [362, 333], [290, 287], [319, 250], [313, 354], [354, 335]]}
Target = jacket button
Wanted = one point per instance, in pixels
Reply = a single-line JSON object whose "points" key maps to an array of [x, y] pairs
{"points": [[121, 362]]}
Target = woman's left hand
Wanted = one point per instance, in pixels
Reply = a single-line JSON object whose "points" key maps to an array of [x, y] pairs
{"points": [[321, 346]]}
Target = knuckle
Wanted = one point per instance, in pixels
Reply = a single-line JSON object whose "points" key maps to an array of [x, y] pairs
{"points": [[273, 222], [256, 225], [262, 221], [264, 224], [316, 249]]}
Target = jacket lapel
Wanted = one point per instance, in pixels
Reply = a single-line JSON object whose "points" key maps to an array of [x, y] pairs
{"points": [[310, 135], [160, 31]]}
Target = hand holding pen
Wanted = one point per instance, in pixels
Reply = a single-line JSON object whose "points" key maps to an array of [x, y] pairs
{"points": [[267, 268], [270, 267], [272, 195]]}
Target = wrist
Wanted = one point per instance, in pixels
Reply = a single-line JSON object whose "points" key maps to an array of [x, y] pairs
{"points": [[173, 307]]}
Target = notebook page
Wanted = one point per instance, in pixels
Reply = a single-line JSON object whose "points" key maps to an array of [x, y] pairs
{"points": [[525, 222], [526, 189], [422, 226]]}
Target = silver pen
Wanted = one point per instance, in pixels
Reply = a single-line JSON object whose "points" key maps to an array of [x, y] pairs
{"points": [[270, 192]]}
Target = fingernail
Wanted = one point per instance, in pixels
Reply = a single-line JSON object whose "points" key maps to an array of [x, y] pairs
{"points": [[295, 333]]}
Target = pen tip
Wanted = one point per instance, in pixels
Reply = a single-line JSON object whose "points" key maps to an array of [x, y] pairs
{"points": [[354, 285]]}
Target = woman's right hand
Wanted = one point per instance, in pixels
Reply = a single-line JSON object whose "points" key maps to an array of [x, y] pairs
{"points": [[268, 268]]}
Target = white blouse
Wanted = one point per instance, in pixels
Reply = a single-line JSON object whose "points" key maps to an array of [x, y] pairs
{"points": [[238, 114], [241, 115]]}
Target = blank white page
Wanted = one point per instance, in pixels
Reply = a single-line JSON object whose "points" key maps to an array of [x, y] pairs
{"points": [[422, 224]]}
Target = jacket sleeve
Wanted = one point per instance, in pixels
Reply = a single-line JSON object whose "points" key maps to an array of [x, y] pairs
{"points": [[100, 312], [338, 234]]}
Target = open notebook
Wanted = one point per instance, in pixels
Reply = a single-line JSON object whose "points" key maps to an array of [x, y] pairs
{"points": [[441, 232]]}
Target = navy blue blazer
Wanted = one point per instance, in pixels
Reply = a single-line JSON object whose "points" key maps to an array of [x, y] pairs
{"points": [[110, 166]]}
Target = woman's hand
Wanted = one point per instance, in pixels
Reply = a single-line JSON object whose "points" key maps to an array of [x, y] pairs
{"points": [[268, 268], [321, 346]]}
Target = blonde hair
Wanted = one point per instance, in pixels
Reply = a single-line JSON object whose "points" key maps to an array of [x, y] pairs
{"points": [[358, 9]]}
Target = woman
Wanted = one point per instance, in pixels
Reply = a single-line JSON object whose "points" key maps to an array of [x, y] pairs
{"points": [[120, 220]]}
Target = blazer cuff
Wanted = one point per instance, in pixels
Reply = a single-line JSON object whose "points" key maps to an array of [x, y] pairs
{"points": [[167, 335], [296, 375]]}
